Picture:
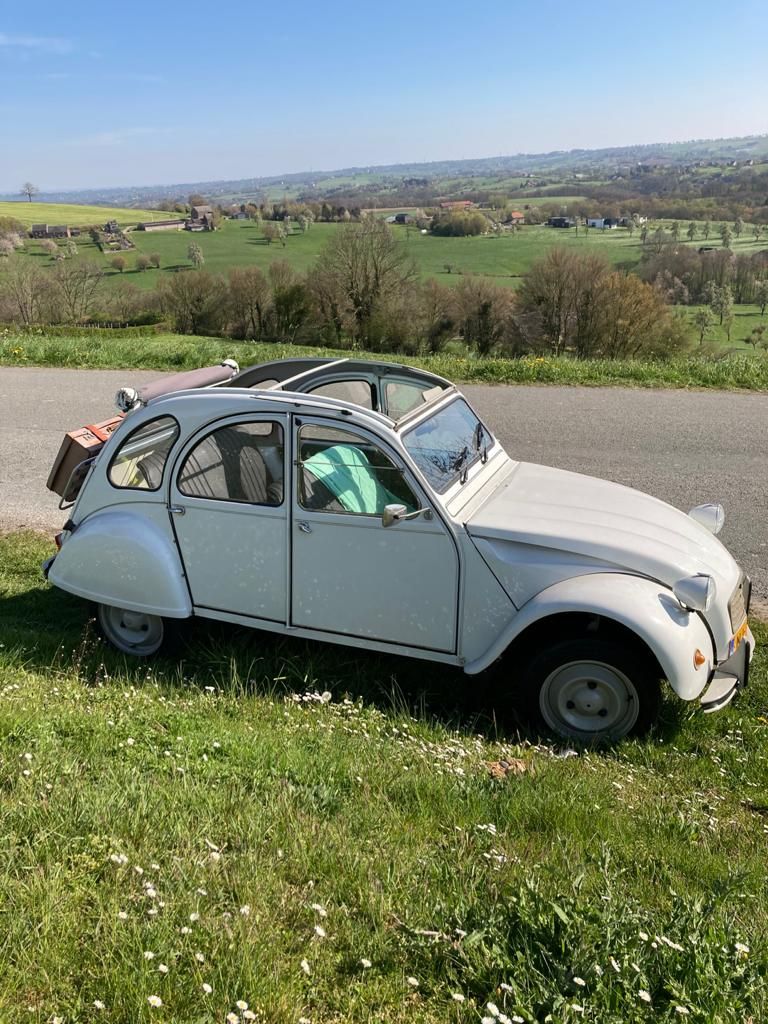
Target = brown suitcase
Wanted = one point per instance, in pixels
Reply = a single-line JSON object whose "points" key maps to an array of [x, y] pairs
{"points": [[77, 446]]}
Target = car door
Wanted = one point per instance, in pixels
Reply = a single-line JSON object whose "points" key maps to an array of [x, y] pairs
{"points": [[229, 512], [350, 574]]}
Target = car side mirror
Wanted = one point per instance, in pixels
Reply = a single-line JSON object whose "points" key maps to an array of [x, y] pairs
{"points": [[396, 513]]}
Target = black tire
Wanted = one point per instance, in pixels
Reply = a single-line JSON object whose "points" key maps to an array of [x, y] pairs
{"points": [[137, 634], [591, 690]]}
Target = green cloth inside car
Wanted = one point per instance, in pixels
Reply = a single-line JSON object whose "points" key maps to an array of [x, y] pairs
{"points": [[351, 479]]}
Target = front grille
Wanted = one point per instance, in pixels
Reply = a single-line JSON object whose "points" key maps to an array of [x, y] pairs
{"points": [[737, 606]]}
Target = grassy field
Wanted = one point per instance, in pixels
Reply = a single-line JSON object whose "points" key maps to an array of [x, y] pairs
{"points": [[117, 349], [75, 215], [327, 835]]}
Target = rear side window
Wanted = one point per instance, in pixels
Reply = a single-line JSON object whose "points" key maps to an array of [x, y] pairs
{"points": [[402, 397], [140, 460], [239, 462]]}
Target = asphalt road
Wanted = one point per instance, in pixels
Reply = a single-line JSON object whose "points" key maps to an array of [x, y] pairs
{"points": [[684, 447]]}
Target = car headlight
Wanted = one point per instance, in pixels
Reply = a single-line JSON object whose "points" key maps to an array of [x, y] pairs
{"points": [[711, 517], [695, 593]]}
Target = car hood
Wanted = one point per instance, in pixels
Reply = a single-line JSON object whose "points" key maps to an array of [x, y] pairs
{"points": [[598, 524]]}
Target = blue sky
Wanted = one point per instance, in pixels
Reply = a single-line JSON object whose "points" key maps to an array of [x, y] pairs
{"points": [[97, 94]]}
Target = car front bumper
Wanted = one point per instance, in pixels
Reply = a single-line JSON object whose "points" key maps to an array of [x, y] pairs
{"points": [[728, 677]]}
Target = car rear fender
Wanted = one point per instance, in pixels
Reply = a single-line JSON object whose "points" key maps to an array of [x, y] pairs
{"points": [[125, 558], [646, 608]]}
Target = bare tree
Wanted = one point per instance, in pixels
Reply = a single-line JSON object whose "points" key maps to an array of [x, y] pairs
{"points": [[24, 285], [250, 302], [143, 261], [195, 302], [368, 265], [76, 283], [29, 190], [118, 263], [271, 232]]}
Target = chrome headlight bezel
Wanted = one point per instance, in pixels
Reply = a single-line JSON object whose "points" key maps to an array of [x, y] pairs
{"points": [[696, 593]]}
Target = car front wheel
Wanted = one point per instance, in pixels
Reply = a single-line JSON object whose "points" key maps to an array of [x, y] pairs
{"points": [[136, 633], [591, 690]]}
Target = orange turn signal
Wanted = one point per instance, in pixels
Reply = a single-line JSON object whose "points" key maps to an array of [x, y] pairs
{"points": [[698, 658]]}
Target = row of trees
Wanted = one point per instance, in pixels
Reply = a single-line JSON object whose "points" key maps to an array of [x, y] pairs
{"points": [[364, 290], [686, 276]]}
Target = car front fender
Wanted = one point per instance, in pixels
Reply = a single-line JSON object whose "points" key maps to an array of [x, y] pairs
{"points": [[648, 609], [127, 559]]}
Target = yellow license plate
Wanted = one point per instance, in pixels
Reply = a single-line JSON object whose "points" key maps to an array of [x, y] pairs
{"points": [[738, 636]]}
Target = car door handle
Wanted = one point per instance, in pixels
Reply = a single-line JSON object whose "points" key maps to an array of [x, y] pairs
{"points": [[177, 510], [304, 527]]}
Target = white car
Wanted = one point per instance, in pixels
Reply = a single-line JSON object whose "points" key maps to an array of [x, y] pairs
{"points": [[367, 504]]}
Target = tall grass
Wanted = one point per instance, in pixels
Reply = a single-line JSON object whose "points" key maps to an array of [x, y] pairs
{"points": [[325, 835], [167, 352]]}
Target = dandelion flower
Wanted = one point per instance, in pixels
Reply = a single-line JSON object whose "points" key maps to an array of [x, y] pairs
{"points": [[615, 965], [365, 962], [488, 1020], [644, 995], [241, 1004], [98, 1004], [579, 981], [249, 1015], [457, 997], [305, 967], [505, 987], [154, 1001], [320, 931], [194, 917], [493, 1009], [200, 958], [163, 968], [682, 1010], [518, 1020], [319, 910], [148, 954], [644, 936], [245, 910], [232, 1018], [130, 741], [741, 948], [122, 915], [185, 930], [207, 988], [577, 1008], [413, 982]]}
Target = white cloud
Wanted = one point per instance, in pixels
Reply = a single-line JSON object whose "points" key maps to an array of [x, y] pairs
{"points": [[47, 44]]}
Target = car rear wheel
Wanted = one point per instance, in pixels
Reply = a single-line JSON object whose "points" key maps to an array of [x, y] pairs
{"points": [[136, 633], [592, 690]]}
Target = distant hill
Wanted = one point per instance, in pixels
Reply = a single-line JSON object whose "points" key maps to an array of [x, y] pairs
{"points": [[73, 213], [587, 162]]}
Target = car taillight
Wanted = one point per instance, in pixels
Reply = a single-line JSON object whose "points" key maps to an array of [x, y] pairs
{"points": [[57, 541]]}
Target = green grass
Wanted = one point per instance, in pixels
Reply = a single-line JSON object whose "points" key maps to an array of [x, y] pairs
{"points": [[76, 215], [179, 352], [202, 809], [745, 318]]}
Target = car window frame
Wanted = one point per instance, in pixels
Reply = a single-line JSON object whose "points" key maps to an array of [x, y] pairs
{"points": [[125, 441], [356, 378], [442, 492], [421, 494], [204, 432]]}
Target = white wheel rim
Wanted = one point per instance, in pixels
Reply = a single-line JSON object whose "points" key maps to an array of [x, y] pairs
{"points": [[132, 632], [589, 699]]}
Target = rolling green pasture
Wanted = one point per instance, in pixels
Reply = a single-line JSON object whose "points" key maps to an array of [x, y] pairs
{"points": [[74, 215], [284, 831]]}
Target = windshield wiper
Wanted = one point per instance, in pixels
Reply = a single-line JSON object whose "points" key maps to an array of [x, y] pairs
{"points": [[479, 438], [460, 462]]}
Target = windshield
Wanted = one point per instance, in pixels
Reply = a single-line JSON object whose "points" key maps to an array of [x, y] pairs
{"points": [[447, 444]]}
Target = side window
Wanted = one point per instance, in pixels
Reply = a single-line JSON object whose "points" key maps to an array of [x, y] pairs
{"points": [[141, 458], [239, 462], [342, 472], [402, 397], [359, 392]]}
